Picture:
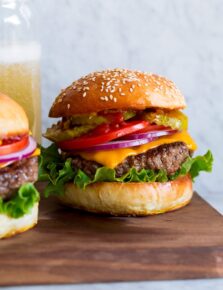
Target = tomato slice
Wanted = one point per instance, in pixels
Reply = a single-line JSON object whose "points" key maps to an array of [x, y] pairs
{"points": [[102, 135], [13, 145]]}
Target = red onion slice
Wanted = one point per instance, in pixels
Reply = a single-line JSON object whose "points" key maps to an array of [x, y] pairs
{"points": [[117, 145], [151, 134], [16, 156]]}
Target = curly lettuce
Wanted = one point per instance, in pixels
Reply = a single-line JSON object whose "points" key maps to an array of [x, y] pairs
{"points": [[21, 203], [57, 171]]}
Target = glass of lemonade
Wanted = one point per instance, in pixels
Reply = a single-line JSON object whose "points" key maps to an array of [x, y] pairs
{"points": [[20, 60]]}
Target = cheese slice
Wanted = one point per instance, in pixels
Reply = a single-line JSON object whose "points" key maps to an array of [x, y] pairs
{"points": [[2, 165], [111, 158], [35, 153]]}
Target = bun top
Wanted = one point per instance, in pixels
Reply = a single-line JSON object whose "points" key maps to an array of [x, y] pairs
{"points": [[117, 89], [13, 120]]}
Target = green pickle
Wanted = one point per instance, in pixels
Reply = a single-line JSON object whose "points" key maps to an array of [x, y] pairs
{"points": [[87, 119], [94, 119], [56, 134], [174, 119], [79, 125], [128, 115]]}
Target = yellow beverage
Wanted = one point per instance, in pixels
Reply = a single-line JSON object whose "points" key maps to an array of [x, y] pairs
{"points": [[20, 79]]}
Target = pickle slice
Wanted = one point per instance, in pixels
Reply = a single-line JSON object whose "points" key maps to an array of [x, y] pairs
{"points": [[56, 134], [78, 125], [173, 119], [87, 119], [95, 119]]}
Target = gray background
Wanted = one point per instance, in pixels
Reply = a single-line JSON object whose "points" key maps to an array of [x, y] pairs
{"points": [[181, 39]]}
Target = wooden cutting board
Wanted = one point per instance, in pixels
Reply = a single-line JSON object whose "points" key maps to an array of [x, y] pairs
{"points": [[69, 246]]}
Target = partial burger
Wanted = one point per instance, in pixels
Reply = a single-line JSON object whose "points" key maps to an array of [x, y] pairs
{"points": [[19, 198], [122, 145]]}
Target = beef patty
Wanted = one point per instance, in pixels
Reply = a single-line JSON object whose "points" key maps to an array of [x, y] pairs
{"points": [[168, 157], [16, 174]]}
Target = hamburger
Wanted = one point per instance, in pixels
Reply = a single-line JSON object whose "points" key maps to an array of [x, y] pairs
{"points": [[121, 145], [18, 170]]}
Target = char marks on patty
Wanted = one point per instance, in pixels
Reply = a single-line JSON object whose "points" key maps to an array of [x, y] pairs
{"points": [[168, 157]]}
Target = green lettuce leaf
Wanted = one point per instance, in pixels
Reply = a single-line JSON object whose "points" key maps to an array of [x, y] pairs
{"points": [[21, 203], [57, 172]]}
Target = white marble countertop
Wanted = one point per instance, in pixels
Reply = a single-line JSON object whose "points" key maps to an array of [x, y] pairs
{"points": [[216, 200], [209, 284]]}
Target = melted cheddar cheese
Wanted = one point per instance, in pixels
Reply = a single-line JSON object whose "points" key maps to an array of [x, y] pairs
{"points": [[35, 153], [111, 158], [2, 165]]}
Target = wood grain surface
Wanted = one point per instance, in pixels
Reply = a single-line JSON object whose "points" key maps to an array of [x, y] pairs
{"points": [[69, 246]]}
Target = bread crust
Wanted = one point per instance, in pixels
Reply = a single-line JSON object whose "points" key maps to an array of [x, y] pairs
{"points": [[12, 226], [117, 89], [13, 119], [130, 199]]}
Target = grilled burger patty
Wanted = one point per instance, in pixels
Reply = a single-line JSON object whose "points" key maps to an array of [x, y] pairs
{"points": [[167, 157], [16, 174]]}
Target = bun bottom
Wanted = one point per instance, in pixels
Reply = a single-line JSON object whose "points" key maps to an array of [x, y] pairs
{"points": [[130, 199], [12, 226]]}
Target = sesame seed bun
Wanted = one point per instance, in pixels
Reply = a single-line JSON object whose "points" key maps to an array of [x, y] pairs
{"points": [[12, 226], [13, 119], [117, 89], [130, 199]]}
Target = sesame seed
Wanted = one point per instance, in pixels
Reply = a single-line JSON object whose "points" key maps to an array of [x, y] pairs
{"points": [[112, 80], [112, 90], [68, 106]]}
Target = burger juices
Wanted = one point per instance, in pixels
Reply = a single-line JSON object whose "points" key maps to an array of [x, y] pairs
{"points": [[121, 146], [18, 170]]}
